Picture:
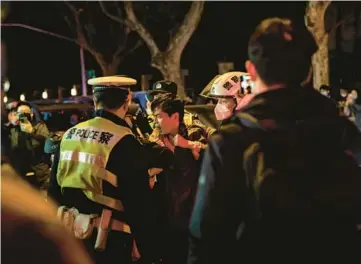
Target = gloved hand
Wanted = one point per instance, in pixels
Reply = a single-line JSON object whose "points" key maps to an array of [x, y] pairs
{"points": [[26, 127]]}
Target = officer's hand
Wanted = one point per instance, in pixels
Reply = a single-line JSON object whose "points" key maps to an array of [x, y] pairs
{"points": [[153, 172], [159, 142], [196, 153], [26, 127], [180, 141]]}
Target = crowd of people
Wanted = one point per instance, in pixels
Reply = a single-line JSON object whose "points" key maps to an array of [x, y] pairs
{"points": [[278, 181]]}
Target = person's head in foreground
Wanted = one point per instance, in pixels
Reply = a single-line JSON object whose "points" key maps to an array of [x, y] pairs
{"points": [[30, 231], [279, 54], [112, 94]]}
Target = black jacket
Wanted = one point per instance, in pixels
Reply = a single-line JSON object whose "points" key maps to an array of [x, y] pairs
{"points": [[128, 160], [218, 230]]}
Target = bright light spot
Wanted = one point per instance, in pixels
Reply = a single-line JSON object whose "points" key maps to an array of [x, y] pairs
{"points": [[6, 86], [73, 91], [22, 97], [5, 99], [44, 95]]}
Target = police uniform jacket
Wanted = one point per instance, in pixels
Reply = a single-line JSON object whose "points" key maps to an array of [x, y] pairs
{"points": [[128, 161], [219, 233]]}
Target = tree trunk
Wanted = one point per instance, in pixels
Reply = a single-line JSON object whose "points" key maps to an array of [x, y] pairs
{"points": [[320, 64], [315, 21], [108, 69], [168, 62], [170, 67]]}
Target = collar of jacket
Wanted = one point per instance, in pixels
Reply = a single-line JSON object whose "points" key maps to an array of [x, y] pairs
{"points": [[112, 117], [291, 103]]}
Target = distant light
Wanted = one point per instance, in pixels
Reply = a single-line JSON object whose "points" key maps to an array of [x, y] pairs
{"points": [[44, 95], [6, 86], [22, 97], [73, 92], [5, 99]]}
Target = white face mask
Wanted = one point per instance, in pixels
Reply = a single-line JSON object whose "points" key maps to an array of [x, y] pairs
{"points": [[14, 122], [354, 96], [222, 112], [343, 95]]}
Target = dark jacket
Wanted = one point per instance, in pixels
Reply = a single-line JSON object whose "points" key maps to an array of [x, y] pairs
{"points": [[219, 233], [28, 152], [128, 160]]}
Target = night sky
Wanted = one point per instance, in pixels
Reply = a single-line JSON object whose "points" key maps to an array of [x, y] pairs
{"points": [[37, 61]]}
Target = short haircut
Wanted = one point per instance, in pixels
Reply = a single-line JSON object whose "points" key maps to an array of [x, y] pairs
{"points": [[281, 51], [111, 98], [169, 104]]}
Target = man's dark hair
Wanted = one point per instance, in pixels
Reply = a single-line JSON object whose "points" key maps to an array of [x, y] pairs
{"points": [[169, 104], [281, 51], [111, 98]]}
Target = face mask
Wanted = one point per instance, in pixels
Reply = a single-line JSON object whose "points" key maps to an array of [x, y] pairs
{"points": [[343, 95], [222, 112], [14, 122], [354, 96]]}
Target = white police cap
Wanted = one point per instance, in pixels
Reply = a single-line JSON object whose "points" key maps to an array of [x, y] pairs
{"points": [[119, 82]]}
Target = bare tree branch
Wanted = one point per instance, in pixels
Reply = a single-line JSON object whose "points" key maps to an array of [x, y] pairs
{"points": [[79, 30], [134, 24], [70, 25], [136, 46], [40, 31], [188, 26], [113, 17], [341, 22]]}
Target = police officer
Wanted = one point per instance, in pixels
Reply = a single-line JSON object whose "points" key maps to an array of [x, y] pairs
{"points": [[101, 171]]}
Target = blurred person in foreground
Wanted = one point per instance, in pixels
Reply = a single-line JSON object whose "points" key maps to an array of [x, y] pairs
{"points": [[280, 183], [27, 137], [30, 232]]}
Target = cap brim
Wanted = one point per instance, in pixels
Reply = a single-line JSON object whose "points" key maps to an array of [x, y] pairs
{"points": [[112, 81], [155, 92]]}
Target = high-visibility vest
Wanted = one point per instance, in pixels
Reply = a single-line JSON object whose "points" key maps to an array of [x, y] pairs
{"points": [[84, 154]]}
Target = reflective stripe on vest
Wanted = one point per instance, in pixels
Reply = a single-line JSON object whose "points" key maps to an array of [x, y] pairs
{"points": [[84, 153]]}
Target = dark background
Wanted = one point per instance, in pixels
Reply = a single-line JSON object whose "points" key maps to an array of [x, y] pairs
{"points": [[37, 61]]}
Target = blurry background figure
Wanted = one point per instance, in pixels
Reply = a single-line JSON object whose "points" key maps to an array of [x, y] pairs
{"points": [[52, 144], [27, 138], [11, 103], [74, 119], [325, 90], [353, 108], [12, 117], [342, 100], [29, 229]]}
